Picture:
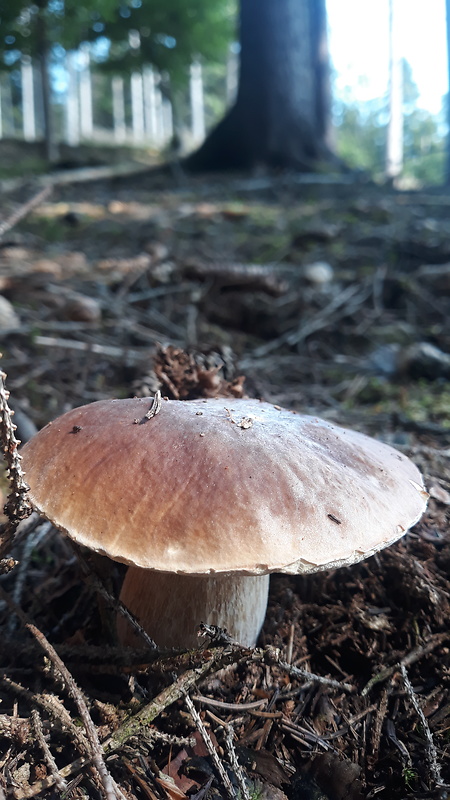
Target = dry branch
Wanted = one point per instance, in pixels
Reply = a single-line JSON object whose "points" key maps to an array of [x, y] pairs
{"points": [[95, 582], [17, 506], [414, 655], [53, 706], [109, 790], [236, 767], [134, 725], [60, 783], [228, 786], [91, 347], [431, 751], [46, 783], [272, 656], [91, 731], [24, 209]]}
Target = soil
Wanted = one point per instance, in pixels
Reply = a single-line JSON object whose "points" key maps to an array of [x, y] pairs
{"points": [[328, 296]]}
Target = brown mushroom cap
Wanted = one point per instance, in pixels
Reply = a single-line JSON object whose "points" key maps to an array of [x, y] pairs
{"points": [[220, 486]]}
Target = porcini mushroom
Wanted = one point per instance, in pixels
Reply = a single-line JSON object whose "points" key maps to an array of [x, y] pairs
{"points": [[208, 497]]}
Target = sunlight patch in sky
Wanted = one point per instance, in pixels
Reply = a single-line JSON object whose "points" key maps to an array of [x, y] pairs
{"points": [[359, 47]]}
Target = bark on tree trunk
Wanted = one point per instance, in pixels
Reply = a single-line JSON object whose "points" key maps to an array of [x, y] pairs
{"points": [[447, 10], [51, 147], [394, 144], [281, 117]]}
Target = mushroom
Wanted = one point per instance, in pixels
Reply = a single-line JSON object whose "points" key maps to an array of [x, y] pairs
{"points": [[208, 497]]}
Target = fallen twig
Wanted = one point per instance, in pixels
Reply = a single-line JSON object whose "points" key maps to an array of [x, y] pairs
{"points": [[24, 209], [270, 655], [109, 789], [209, 701], [410, 658], [431, 751], [49, 781], [92, 579], [53, 706], [321, 320], [300, 732], [29, 547], [235, 765], [299, 672], [60, 783], [229, 788], [91, 347], [134, 725], [378, 725], [154, 409], [91, 731]]}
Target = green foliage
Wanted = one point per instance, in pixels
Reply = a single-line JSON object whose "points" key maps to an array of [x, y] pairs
{"points": [[361, 135], [168, 33], [31, 165], [409, 776], [171, 33], [424, 147], [27, 27], [424, 401]]}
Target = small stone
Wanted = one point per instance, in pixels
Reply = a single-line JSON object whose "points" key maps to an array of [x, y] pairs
{"points": [[435, 276], [157, 250], [384, 360], [425, 360], [319, 273], [439, 494], [80, 308]]}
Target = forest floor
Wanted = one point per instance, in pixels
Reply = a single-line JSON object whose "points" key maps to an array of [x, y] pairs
{"points": [[331, 298]]}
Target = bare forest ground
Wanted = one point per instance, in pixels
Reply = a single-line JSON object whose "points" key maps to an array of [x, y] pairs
{"points": [[330, 298]]}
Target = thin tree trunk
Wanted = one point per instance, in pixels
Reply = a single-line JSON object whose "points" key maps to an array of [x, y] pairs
{"points": [[8, 122], [151, 125], [394, 145], [85, 88], [28, 110], [197, 102], [72, 103], [118, 106], [51, 148], [447, 10], [137, 107]]}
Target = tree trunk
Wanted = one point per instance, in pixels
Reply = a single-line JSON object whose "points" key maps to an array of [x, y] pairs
{"points": [[447, 10], [51, 146], [394, 144], [281, 117]]}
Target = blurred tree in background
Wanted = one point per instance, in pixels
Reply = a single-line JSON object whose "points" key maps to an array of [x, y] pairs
{"points": [[168, 35], [281, 117], [32, 29], [361, 134]]}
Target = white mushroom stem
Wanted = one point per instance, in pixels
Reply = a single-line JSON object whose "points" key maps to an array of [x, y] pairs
{"points": [[170, 607]]}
